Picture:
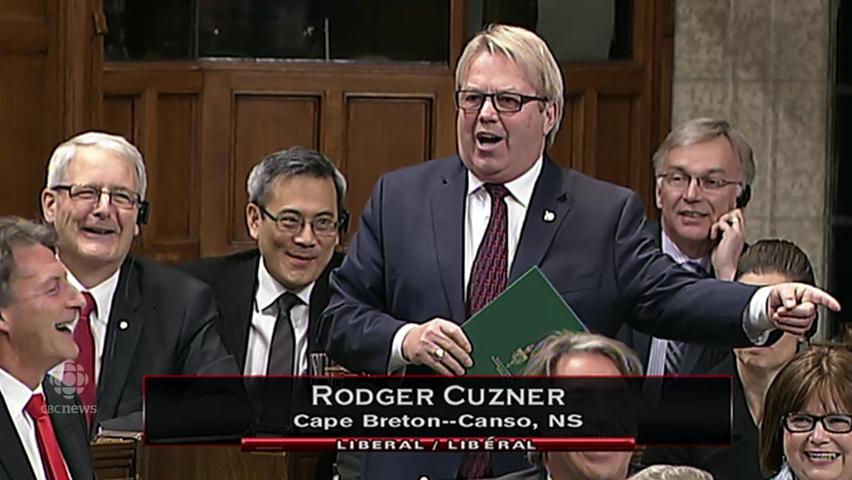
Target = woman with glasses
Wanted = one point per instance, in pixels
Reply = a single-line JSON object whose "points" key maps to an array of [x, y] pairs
{"points": [[806, 433]]}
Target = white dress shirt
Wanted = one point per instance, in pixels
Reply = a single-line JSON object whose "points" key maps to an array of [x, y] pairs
{"points": [[477, 213], [263, 318], [103, 294], [17, 395]]}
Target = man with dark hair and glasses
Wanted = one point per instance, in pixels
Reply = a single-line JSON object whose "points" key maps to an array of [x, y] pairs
{"points": [[295, 213], [441, 239], [271, 297], [140, 318]]}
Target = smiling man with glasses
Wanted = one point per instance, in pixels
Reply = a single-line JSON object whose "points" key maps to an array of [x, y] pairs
{"points": [[703, 170], [141, 318], [271, 297]]}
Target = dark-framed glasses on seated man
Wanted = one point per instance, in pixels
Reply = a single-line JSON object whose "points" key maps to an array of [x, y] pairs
{"points": [[506, 102], [798, 422], [293, 222], [119, 197]]}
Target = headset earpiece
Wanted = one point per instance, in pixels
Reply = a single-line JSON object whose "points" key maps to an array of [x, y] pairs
{"points": [[343, 226], [144, 211], [744, 196]]}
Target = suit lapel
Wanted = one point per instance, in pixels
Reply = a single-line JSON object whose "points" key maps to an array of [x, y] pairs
{"points": [[64, 425], [548, 207], [237, 290], [448, 203], [123, 330], [12, 454], [319, 300]]}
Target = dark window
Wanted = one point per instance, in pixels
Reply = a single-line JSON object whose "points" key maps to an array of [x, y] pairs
{"points": [[576, 30], [839, 261], [359, 30]]}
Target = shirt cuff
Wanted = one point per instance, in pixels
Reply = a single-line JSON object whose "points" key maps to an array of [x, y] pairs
{"points": [[756, 323], [397, 360]]}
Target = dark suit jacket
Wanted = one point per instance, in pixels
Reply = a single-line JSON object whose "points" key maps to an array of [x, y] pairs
{"points": [[405, 264], [169, 328], [740, 460], [71, 433], [697, 357], [234, 282]]}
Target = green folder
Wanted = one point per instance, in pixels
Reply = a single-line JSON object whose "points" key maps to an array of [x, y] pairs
{"points": [[505, 331]]}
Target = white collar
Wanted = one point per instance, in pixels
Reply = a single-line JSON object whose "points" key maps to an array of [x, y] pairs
{"points": [[102, 293], [269, 289], [15, 393], [520, 188], [670, 248]]}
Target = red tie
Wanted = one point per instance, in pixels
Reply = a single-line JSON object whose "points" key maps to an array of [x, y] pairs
{"points": [[487, 281], [491, 267], [51, 455], [81, 373]]}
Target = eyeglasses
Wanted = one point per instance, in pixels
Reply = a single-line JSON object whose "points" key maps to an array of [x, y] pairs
{"points": [[293, 223], [506, 102], [681, 180], [90, 194], [805, 422]]}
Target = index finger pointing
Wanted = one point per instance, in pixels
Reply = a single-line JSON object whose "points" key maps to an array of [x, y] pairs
{"points": [[817, 296]]}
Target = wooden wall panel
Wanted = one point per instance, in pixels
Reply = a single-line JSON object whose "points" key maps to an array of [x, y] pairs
{"points": [[24, 144], [262, 124], [172, 173], [567, 149], [383, 134], [119, 116], [613, 139]]}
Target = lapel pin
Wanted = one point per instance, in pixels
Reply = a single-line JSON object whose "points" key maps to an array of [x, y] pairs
{"points": [[549, 216], [122, 325]]}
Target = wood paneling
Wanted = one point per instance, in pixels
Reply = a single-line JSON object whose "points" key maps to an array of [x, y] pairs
{"points": [[383, 134], [614, 139], [264, 123], [120, 114], [45, 96]]}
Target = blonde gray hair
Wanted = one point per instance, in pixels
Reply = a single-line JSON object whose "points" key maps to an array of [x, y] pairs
{"points": [[704, 129], [529, 52], [64, 153], [671, 472]]}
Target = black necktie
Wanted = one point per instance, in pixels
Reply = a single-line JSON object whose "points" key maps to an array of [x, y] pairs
{"points": [[282, 349]]}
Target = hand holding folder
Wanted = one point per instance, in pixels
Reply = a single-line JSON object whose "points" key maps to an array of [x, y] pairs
{"points": [[505, 331]]}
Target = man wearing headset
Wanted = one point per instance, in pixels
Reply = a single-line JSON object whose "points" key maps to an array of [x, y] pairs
{"points": [[295, 213], [140, 318], [704, 170]]}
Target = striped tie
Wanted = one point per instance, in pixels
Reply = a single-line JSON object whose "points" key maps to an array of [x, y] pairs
{"points": [[674, 356]]}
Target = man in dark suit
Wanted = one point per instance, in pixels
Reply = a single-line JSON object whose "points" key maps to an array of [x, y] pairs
{"points": [[704, 170], [143, 318], [42, 424], [439, 240], [295, 213]]}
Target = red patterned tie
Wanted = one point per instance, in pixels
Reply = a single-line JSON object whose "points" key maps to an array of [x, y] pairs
{"points": [[51, 455], [82, 375], [487, 281]]}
